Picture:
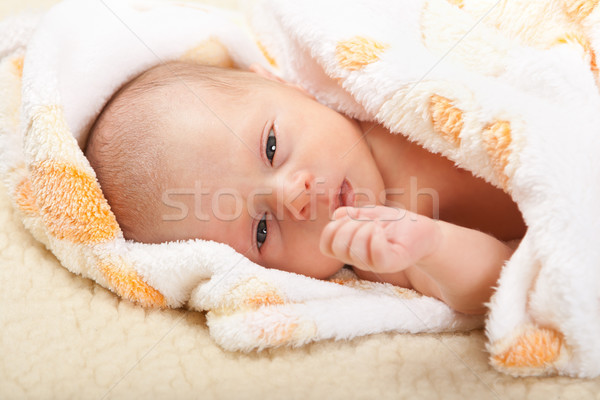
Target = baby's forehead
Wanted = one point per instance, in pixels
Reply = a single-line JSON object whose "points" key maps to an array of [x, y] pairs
{"points": [[160, 87]]}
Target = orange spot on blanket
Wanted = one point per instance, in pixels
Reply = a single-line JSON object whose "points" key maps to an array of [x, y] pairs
{"points": [[72, 204], [578, 10], [340, 281], [25, 199], [581, 40], [252, 294], [264, 299], [18, 65], [497, 138], [357, 52], [535, 348], [458, 3], [446, 118], [280, 332], [267, 55], [125, 281], [209, 52]]}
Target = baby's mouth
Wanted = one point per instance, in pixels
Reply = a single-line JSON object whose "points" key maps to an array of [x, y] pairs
{"points": [[347, 194], [345, 197]]}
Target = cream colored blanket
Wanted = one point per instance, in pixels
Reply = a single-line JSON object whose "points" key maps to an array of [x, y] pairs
{"points": [[499, 104]]}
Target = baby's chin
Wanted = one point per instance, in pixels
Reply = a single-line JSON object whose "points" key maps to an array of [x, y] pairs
{"points": [[323, 268]]}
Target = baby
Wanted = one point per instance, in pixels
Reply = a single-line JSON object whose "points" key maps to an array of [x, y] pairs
{"points": [[189, 151]]}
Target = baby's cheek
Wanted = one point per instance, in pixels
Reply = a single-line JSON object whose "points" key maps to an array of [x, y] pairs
{"points": [[311, 262], [323, 267]]}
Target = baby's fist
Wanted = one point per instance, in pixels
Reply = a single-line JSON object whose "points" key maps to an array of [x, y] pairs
{"points": [[379, 239]]}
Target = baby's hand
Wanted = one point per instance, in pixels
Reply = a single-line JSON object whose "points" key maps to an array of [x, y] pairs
{"points": [[379, 239]]}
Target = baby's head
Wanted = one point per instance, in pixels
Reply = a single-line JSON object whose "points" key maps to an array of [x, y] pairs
{"points": [[188, 151]]}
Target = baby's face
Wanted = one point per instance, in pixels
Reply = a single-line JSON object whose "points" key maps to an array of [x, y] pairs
{"points": [[262, 173]]}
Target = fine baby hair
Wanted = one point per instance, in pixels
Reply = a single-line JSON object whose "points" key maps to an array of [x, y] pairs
{"points": [[123, 146]]}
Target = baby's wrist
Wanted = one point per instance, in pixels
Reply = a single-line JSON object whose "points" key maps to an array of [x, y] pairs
{"points": [[436, 239]]}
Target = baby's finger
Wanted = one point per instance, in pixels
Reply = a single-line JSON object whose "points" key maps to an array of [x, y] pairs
{"points": [[343, 239], [381, 213], [360, 252], [341, 212], [328, 235]]}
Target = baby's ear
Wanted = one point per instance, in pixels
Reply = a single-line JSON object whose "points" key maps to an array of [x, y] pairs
{"points": [[260, 70]]}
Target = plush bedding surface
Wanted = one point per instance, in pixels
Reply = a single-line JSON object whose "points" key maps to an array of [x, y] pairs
{"points": [[63, 336]]}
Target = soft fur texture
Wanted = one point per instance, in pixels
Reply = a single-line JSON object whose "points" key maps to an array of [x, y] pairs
{"points": [[501, 103], [64, 336]]}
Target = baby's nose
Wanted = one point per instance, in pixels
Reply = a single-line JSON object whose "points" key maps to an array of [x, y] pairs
{"points": [[296, 194]]}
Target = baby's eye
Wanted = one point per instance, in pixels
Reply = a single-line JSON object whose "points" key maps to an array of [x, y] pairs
{"points": [[271, 146], [261, 231]]}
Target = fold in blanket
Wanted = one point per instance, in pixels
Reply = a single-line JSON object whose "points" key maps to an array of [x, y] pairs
{"points": [[507, 90]]}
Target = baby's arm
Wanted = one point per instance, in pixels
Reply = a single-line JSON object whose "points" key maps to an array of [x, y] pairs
{"points": [[455, 264], [465, 267]]}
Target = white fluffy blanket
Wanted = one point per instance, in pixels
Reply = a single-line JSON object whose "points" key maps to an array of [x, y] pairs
{"points": [[501, 103], [64, 336]]}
